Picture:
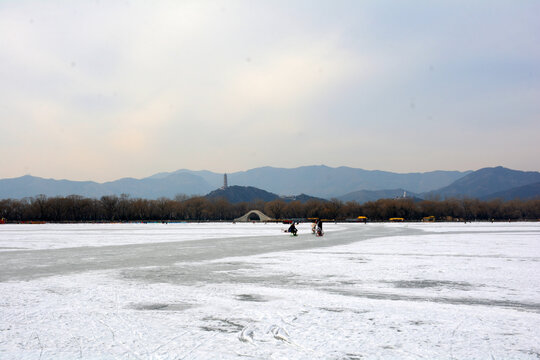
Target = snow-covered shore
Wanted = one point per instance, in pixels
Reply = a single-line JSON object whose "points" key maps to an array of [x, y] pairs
{"points": [[211, 291]]}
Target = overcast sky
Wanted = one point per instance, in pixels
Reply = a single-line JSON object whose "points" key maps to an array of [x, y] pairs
{"points": [[99, 90]]}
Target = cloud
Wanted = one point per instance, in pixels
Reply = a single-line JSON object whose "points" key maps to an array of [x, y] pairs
{"points": [[228, 86]]}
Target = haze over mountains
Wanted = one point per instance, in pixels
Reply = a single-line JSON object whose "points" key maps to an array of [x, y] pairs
{"points": [[326, 182], [320, 181], [344, 183], [484, 183]]}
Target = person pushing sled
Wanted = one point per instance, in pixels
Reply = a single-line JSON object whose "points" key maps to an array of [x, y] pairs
{"points": [[316, 228]]}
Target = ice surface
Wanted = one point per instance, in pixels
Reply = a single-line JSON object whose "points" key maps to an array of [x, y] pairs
{"points": [[55, 236], [407, 291]]}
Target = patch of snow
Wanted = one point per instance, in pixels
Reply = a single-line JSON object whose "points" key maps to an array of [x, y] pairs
{"points": [[455, 293]]}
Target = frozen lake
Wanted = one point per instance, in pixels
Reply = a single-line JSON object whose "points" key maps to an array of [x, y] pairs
{"points": [[231, 291]]}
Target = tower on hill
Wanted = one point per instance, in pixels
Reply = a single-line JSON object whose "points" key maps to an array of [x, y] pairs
{"points": [[224, 181]]}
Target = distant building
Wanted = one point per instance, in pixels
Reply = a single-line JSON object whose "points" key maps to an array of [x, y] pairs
{"points": [[224, 181]]}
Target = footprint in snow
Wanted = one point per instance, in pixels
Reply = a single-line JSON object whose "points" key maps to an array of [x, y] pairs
{"points": [[279, 333], [246, 335]]}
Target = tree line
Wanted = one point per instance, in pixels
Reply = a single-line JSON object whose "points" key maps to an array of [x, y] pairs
{"points": [[76, 208]]}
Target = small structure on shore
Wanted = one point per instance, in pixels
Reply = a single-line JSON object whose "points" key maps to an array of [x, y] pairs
{"points": [[253, 215]]}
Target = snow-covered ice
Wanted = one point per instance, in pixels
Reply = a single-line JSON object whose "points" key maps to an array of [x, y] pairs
{"points": [[230, 291], [54, 236]]}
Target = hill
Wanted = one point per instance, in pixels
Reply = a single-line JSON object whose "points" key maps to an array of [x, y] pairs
{"points": [[526, 192], [486, 181], [236, 194], [364, 196], [302, 198]]}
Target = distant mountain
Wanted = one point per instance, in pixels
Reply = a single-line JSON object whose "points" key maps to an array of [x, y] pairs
{"points": [[486, 181], [321, 181], [151, 188], [214, 180], [27, 185], [526, 192], [236, 194], [328, 182], [364, 196]]}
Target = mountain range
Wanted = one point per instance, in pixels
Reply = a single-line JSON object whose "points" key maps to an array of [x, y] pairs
{"points": [[150, 188], [321, 181], [326, 182], [524, 192], [487, 183]]}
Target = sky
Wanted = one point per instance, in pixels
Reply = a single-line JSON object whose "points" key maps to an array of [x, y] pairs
{"points": [[100, 90]]}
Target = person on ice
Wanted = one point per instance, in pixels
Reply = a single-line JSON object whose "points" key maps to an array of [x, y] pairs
{"points": [[319, 227], [292, 229]]}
